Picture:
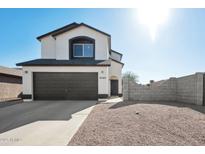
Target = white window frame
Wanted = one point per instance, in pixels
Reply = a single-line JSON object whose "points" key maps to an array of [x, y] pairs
{"points": [[83, 44]]}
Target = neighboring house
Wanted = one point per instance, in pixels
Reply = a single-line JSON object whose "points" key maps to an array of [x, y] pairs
{"points": [[77, 63], [10, 83]]}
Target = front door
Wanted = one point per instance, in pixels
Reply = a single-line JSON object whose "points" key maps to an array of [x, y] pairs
{"points": [[114, 87]]}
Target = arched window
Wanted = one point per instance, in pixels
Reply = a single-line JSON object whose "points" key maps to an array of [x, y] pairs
{"points": [[82, 47]]}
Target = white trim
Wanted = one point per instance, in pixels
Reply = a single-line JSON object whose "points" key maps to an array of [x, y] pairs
{"points": [[102, 77], [83, 44]]}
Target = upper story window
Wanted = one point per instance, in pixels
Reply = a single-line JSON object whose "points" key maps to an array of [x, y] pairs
{"points": [[82, 47], [83, 50]]}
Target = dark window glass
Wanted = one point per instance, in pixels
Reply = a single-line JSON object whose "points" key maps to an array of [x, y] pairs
{"points": [[83, 50], [78, 50], [88, 50]]}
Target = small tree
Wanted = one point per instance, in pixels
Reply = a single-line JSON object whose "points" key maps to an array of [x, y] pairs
{"points": [[131, 76]]}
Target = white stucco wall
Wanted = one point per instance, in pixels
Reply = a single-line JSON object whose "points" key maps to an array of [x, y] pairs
{"points": [[48, 49], [102, 76], [59, 47], [115, 72]]}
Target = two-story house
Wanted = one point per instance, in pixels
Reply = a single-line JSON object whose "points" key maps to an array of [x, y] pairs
{"points": [[77, 63]]}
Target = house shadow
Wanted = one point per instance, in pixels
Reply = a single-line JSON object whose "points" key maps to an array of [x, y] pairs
{"points": [[24, 113], [10, 102], [198, 108]]}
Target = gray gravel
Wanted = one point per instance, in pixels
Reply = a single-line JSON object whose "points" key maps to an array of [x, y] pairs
{"points": [[143, 123]]}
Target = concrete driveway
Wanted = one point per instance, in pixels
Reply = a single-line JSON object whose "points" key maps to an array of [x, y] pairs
{"points": [[42, 122]]}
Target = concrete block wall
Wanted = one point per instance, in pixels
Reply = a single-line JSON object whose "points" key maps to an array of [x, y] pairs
{"points": [[200, 89], [10, 87], [165, 91], [125, 88], [188, 89], [9, 91]]}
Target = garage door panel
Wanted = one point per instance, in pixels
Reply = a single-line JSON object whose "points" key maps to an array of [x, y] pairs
{"points": [[65, 86]]}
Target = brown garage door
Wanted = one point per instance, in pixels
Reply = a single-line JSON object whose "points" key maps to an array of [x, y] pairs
{"points": [[65, 86]]}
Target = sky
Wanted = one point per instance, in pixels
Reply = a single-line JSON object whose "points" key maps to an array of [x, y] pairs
{"points": [[178, 49]]}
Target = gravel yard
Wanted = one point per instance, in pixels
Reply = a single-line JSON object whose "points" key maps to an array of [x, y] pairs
{"points": [[143, 123]]}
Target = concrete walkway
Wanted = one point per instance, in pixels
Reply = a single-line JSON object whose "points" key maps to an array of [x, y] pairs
{"points": [[46, 132]]}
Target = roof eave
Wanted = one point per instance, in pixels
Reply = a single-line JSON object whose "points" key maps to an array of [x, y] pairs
{"points": [[117, 61], [116, 52], [82, 65], [83, 24], [33, 63], [50, 33], [61, 30]]}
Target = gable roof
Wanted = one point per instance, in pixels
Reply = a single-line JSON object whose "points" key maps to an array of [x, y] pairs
{"points": [[69, 27]]}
